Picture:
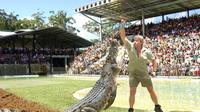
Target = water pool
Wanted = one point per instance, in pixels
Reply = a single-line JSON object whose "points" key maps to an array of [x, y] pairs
{"points": [[175, 95]]}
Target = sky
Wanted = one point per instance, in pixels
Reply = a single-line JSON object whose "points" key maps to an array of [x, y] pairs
{"points": [[25, 8]]}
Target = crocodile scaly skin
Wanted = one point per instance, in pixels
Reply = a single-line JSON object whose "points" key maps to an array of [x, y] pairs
{"points": [[103, 93]]}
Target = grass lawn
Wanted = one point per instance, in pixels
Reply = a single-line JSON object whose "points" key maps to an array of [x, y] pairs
{"points": [[175, 95], [55, 93]]}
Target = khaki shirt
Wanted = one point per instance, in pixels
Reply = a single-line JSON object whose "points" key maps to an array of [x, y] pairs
{"points": [[138, 65]]}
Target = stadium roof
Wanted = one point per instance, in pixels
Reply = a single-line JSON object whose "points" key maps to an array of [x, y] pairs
{"points": [[5, 33], [132, 9], [51, 37]]}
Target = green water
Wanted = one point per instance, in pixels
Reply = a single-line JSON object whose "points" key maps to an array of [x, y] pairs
{"points": [[173, 95]]}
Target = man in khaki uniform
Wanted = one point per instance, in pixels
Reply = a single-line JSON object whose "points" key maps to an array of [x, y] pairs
{"points": [[139, 57]]}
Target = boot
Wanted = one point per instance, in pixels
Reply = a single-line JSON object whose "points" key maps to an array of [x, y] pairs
{"points": [[158, 108], [130, 110]]}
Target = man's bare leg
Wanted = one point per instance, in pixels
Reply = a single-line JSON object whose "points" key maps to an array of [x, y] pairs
{"points": [[132, 98], [152, 94], [154, 99]]}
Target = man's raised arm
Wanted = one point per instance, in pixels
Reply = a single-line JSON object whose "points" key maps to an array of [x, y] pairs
{"points": [[123, 33]]}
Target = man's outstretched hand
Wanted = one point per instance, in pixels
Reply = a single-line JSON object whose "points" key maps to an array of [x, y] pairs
{"points": [[123, 21]]}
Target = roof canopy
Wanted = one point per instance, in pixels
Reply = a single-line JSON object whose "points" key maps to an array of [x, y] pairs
{"points": [[133, 9], [52, 37], [5, 33]]}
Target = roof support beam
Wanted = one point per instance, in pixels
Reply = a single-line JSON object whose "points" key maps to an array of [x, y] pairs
{"points": [[182, 6], [13, 42], [91, 18], [188, 13], [163, 18], [100, 26]]}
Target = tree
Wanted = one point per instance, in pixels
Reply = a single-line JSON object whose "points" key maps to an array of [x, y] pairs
{"points": [[94, 27], [7, 21], [25, 23], [107, 27], [60, 19], [3, 15], [10, 21], [39, 20]]}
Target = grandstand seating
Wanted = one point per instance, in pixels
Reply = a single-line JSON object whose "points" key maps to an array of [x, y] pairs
{"points": [[175, 43]]}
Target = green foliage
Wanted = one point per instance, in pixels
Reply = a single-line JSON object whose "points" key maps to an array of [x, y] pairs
{"points": [[25, 24], [38, 20], [7, 21], [60, 19], [94, 27]]}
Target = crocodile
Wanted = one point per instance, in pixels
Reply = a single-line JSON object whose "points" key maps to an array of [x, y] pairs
{"points": [[103, 93]]}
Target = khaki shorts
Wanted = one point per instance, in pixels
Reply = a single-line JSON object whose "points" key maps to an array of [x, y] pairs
{"points": [[134, 80]]}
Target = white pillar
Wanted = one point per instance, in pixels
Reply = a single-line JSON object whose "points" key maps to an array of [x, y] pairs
{"points": [[100, 31], [143, 25]]}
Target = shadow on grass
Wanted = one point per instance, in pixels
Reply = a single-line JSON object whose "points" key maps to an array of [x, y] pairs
{"points": [[117, 109]]}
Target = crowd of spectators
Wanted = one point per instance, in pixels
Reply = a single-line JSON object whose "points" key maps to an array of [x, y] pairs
{"points": [[175, 43], [177, 55], [90, 59], [22, 55], [173, 27]]}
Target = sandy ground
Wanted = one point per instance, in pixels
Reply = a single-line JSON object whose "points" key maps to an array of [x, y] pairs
{"points": [[11, 101]]}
